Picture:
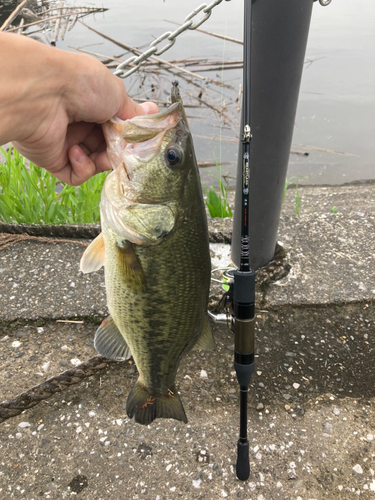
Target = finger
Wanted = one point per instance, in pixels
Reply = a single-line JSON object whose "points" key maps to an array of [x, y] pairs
{"points": [[130, 109], [82, 167], [78, 132]]}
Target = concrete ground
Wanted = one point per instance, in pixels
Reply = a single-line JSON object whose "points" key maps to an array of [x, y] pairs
{"points": [[312, 397]]}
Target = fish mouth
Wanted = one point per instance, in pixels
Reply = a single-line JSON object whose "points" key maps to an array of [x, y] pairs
{"points": [[145, 127], [138, 130], [144, 151], [142, 128]]}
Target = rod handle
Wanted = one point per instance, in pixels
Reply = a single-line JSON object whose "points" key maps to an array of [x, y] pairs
{"points": [[243, 463]]}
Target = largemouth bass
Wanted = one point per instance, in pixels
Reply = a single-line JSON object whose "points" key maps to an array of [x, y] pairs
{"points": [[154, 246]]}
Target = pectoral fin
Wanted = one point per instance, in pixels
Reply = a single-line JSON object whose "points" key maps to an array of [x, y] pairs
{"points": [[93, 257], [131, 270], [206, 340], [110, 343]]}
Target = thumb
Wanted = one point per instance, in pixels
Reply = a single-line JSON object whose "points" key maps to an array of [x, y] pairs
{"points": [[130, 109]]}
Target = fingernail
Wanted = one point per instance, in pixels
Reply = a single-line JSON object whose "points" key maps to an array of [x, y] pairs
{"points": [[78, 154], [149, 107]]}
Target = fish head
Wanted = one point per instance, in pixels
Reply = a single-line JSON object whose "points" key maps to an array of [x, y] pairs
{"points": [[153, 157], [150, 156]]}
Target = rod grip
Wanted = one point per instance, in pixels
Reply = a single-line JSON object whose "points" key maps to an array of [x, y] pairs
{"points": [[243, 463]]}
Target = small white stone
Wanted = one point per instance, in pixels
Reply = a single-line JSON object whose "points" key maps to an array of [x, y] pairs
{"points": [[279, 485], [92, 414], [18, 435], [23, 425], [168, 468], [119, 422], [372, 485], [72, 284], [45, 366], [16, 343], [224, 494], [295, 385], [40, 330], [64, 348], [258, 456], [197, 483], [79, 429], [75, 361], [370, 437], [173, 489], [40, 427], [358, 469], [203, 374]]}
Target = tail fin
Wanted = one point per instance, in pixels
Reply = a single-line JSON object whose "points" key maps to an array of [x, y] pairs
{"points": [[145, 407]]}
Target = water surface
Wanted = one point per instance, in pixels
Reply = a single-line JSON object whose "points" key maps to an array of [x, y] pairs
{"points": [[335, 116]]}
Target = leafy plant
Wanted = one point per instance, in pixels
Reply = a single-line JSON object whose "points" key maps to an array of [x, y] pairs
{"points": [[288, 182], [30, 195], [334, 210], [297, 200], [218, 205]]}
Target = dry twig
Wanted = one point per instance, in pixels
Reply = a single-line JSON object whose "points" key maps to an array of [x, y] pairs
{"points": [[223, 37], [13, 15], [7, 240]]}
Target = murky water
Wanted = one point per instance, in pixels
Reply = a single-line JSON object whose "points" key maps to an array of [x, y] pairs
{"points": [[335, 116]]}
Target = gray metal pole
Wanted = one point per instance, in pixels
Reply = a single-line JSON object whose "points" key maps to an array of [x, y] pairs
{"points": [[279, 38]]}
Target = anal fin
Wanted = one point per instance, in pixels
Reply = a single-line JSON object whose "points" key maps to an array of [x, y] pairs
{"points": [[93, 257], [205, 340], [145, 407], [110, 343]]}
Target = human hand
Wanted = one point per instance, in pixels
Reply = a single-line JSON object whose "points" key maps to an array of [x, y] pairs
{"points": [[57, 108]]}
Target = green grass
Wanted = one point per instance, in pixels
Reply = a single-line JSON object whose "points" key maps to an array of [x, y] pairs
{"points": [[28, 195], [297, 199], [217, 204]]}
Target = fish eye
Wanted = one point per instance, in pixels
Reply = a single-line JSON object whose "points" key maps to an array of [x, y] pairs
{"points": [[174, 155]]}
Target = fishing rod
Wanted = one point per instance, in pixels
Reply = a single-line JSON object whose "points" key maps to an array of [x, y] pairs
{"points": [[240, 297], [244, 277]]}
